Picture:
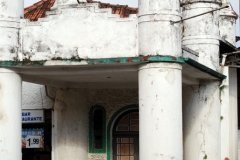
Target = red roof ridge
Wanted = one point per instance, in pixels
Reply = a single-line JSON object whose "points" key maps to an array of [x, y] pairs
{"points": [[39, 9]]}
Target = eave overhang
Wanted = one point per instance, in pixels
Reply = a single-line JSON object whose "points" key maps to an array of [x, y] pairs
{"points": [[192, 70]]}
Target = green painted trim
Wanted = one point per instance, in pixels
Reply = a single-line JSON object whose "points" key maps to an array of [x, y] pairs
{"points": [[110, 125], [140, 59], [91, 149], [120, 60], [204, 68], [22, 63]]}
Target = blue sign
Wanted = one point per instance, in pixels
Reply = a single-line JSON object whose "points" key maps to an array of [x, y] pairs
{"points": [[32, 116]]}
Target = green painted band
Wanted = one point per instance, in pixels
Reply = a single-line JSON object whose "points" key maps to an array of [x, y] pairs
{"points": [[124, 60]]}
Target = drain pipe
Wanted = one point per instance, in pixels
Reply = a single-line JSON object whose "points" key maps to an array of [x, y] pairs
{"points": [[223, 62]]}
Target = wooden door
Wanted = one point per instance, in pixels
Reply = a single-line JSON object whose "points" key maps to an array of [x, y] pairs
{"points": [[126, 148], [126, 136]]}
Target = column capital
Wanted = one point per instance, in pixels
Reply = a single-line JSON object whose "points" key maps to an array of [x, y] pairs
{"points": [[187, 2], [8, 70], [160, 65]]}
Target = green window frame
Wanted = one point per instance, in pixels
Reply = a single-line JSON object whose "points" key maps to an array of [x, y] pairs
{"points": [[92, 112]]}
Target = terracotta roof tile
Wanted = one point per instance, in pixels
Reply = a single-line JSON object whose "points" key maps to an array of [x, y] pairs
{"points": [[39, 9]]}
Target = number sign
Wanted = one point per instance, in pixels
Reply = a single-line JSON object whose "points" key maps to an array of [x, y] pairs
{"points": [[33, 142], [33, 138]]}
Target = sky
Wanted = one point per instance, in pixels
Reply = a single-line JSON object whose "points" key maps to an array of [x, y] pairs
{"points": [[134, 3]]}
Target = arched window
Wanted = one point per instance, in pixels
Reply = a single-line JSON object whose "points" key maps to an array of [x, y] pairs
{"points": [[112, 132], [97, 130], [126, 136], [130, 122]]}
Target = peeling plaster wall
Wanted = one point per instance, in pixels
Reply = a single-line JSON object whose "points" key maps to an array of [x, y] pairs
{"points": [[65, 2], [34, 97], [229, 115], [156, 35], [227, 26], [201, 121], [201, 33], [227, 23], [70, 120], [10, 13], [238, 144], [71, 109], [233, 110], [84, 31]]}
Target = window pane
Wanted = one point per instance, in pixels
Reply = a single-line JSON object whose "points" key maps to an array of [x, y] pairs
{"points": [[125, 158], [131, 158], [131, 140], [134, 122], [97, 129], [134, 128], [135, 115], [125, 140], [122, 128], [125, 149], [124, 120]]}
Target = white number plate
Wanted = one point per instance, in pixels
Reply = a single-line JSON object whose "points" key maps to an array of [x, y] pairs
{"points": [[33, 142]]}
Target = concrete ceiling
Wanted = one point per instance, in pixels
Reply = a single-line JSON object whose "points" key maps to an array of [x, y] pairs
{"points": [[99, 76]]}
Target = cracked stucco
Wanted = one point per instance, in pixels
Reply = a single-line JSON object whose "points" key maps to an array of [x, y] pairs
{"points": [[71, 117], [201, 121]]}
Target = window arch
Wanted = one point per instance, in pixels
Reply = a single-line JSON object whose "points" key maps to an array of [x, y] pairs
{"points": [[110, 127], [125, 136], [127, 122], [97, 130]]}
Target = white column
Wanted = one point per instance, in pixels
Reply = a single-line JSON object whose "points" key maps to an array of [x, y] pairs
{"points": [[201, 121], [10, 115], [227, 23], [160, 108], [229, 126], [201, 33]]}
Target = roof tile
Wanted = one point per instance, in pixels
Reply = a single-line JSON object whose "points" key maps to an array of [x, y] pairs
{"points": [[39, 9]]}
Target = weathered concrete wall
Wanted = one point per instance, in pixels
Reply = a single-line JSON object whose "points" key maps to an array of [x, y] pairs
{"points": [[238, 144], [66, 2], [156, 34], [70, 118], [201, 121], [34, 96], [227, 23], [10, 13], [84, 31], [227, 26], [10, 114], [233, 83], [160, 111], [201, 33], [160, 117]]}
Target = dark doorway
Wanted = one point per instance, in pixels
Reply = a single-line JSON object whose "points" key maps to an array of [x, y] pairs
{"points": [[40, 153], [126, 136]]}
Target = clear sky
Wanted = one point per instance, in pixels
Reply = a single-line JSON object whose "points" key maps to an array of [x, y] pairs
{"points": [[134, 3]]}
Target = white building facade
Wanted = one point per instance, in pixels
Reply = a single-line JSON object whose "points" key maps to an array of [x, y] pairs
{"points": [[151, 86]]}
